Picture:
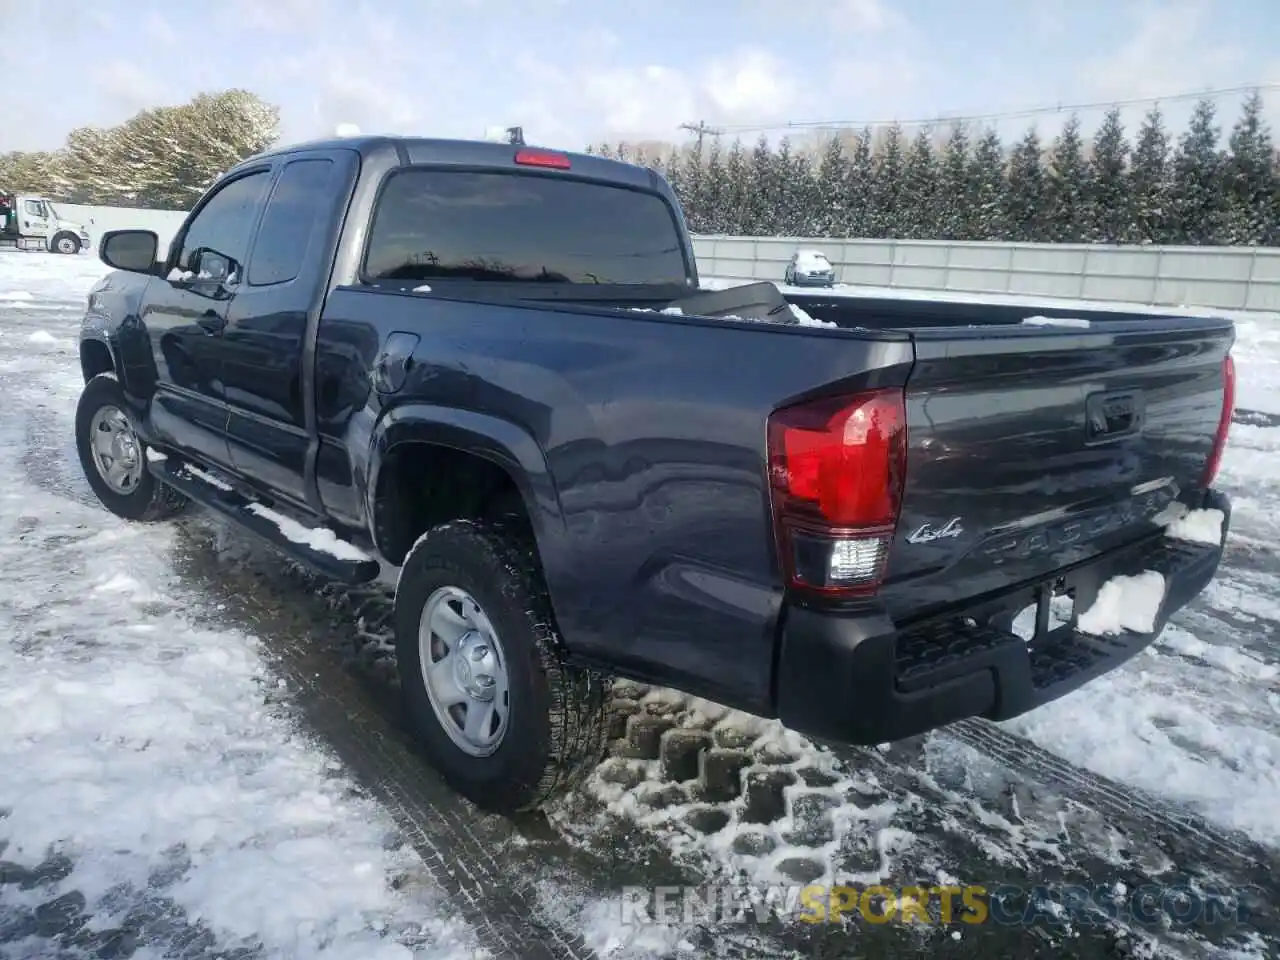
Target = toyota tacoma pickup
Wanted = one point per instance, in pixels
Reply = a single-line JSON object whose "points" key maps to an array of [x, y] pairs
{"points": [[491, 370]]}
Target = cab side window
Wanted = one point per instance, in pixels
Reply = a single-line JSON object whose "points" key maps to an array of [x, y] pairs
{"points": [[223, 225]]}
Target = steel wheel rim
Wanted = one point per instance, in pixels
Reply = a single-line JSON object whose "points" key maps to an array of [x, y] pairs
{"points": [[464, 671], [65, 245], [117, 454]]}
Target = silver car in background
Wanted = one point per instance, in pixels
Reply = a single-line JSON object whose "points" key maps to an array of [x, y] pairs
{"points": [[809, 268]]}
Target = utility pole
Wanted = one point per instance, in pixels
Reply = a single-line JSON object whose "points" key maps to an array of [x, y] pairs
{"points": [[701, 129]]}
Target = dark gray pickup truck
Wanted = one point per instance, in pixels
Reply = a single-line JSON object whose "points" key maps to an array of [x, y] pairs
{"points": [[492, 366]]}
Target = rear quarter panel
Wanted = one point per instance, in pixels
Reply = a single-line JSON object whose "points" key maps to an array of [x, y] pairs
{"points": [[655, 536]]}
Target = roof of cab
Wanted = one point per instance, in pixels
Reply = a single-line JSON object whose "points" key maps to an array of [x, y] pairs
{"points": [[473, 153]]}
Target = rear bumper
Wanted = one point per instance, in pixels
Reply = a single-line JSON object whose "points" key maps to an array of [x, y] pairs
{"points": [[856, 679], [803, 280]]}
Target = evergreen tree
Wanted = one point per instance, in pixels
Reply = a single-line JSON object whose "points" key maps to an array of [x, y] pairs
{"points": [[782, 190], [1149, 183], [988, 189], [714, 191], [831, 213], [860, 190], [1199, 200], [1110, 217], [737, 191], [919, 190], [803, 212], [887, 206], [694, 180], [1025, 200], [955, 201], [675, 177], [760, 214], [1251, 191], [93, 154], [1067, 186], [40, 172]]}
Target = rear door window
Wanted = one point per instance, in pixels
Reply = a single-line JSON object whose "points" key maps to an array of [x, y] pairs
{"points": [[289, 222]]}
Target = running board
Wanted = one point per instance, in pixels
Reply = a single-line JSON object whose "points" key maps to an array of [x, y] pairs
{"points": [[316, 547]]}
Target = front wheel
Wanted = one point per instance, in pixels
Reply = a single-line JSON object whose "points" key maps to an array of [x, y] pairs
{"points": [[498, 713], [67, 243], [114, 459]]}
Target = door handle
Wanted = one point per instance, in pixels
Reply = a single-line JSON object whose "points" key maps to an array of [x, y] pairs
{"points": [[212, 322]]}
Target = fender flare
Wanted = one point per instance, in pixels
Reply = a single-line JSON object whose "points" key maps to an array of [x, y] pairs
{"points": [[101, 339], [501, 442]]}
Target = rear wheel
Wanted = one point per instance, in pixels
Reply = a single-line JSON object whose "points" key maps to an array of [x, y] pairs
{"points": [[498, 713], [114, 459]]}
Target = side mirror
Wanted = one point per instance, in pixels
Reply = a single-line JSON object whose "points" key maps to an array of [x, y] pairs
{"points": [[214, 267], [132, 250]]}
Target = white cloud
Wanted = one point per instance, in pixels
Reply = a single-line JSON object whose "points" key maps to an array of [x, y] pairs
{"points": [[128, 86], [280, 16], [753, 84], [1166, 54], [866, 16]]}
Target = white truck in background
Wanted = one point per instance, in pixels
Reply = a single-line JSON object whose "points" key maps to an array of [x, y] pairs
{"points": [[30, 222]]}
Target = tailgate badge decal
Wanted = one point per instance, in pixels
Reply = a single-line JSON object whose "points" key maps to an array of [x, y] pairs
{"points": [[927, 533]]}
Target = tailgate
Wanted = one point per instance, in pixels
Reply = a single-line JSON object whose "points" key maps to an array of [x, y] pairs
{"points": [[1033, 448]]}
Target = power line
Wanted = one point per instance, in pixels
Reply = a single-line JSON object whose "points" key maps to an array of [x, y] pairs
{"points": [[1001, 115]]}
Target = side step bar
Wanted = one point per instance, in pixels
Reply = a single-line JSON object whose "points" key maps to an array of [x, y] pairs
{"points": [[316, 547]]}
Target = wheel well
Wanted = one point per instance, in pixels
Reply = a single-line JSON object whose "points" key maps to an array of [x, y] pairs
{"points": [[95, 358], [422, 485]]}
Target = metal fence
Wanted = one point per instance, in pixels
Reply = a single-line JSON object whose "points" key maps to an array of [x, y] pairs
{"points": [[1231, 278], [1234, 278]]}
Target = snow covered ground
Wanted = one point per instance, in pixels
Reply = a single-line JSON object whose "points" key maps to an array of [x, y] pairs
{"points": [[166, 791], [144, 773]]}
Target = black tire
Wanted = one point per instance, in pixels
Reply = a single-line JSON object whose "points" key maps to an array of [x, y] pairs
{"points": [[55, 245], [556, 726], [149, 499]]}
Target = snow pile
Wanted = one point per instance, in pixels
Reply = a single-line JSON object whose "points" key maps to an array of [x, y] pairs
{"points": [[425, 288], [42, 338], [206, 477], [805, 320], [16, 296], [319, 539], [1195, 526], [1056, 322], [1125, 603]]}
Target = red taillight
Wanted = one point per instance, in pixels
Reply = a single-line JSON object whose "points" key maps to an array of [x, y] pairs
{"points": [[1224, 422], [836, 469], [542, 158]]}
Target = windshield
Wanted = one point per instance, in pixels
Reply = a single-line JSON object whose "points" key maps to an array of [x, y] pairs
{"points": [[811, 260], [512, 227]]}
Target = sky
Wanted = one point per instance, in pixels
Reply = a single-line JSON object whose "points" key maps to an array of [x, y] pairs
{"points": [[574, 72]]}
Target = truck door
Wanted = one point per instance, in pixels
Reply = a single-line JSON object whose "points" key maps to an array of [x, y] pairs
{"points": [[184, 314], [265, 367], [34, 218]]}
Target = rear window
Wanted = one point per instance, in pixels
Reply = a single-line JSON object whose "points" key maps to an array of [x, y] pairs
{"points": [[496, 227]]}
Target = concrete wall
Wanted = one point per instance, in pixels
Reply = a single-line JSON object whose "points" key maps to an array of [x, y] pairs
{"points": [[1235, 278]]}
